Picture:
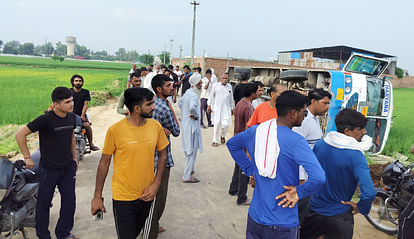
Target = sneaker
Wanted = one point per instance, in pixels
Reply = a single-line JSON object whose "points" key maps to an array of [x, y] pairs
{"points": [[210, 125]]}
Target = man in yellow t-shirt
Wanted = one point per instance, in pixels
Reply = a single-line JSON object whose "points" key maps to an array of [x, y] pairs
{"points": [[132, 142]]}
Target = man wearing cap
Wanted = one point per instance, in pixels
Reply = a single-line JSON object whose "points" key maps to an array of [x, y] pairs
{"points": [[191, 133]]}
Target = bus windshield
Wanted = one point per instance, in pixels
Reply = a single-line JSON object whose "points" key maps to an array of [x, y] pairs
{"points": [[365, 65]]}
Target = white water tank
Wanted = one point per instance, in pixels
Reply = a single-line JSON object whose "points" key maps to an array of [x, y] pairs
{"points": [[71, 42]]}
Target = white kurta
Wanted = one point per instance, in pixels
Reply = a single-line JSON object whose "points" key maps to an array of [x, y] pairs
{"points": [[221, 103], [190, 128]]}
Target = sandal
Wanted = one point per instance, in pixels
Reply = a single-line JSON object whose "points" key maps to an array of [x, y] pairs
{"points": [[94, 148], [223, 140], [71, 236], [161, 229], [215, 145], [192, 180]]}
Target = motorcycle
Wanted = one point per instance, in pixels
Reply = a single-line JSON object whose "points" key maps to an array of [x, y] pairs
{"points": [[390, 201], [82, 145], [18, 197]]}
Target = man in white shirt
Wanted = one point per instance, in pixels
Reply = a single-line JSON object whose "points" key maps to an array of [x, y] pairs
{"points": [[221, 103], [319, 100], [207, 85]]}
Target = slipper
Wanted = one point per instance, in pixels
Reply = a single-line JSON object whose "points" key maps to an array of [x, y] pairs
{"points": [[161, 229], [215, 145], [192, 180], [223, 140], [94, 148], [71, 236]]}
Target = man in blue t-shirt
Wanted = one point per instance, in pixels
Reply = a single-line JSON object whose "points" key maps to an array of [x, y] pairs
{"points": [[273, 212], [341, 155]]}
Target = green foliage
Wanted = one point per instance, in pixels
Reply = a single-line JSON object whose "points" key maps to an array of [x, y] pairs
{"points": [[26, 49], [165, 57], [49, 63], [11, 47], [26, 90], [399, 72], [81, 51], [146, 59], [45, 49], [61, 49], [401, 135]]}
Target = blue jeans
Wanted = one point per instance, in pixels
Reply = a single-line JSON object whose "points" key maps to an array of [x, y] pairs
{"points": [[64, 179], [255, 230]]}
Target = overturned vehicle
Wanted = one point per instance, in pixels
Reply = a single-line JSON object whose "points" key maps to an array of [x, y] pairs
{"points": [[358, 85]]}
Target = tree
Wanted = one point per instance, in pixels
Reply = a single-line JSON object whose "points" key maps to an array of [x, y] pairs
{"points": [[1, 43], [165, 57], [121, 54], [146, 59], [26, 49], [81, 51], [61, 49], [133, 55], [399, 72], [11, 47]]}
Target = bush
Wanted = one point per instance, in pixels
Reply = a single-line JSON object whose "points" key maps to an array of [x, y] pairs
{"points": [[399, 72]]}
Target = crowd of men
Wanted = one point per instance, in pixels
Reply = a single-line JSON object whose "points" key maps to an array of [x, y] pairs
{"points": [[303, 182]]}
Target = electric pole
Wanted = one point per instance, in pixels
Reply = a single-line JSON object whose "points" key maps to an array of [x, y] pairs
{"points": [[171, 51], [195, 3], [181, 52]]}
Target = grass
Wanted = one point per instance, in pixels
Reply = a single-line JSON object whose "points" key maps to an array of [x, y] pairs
{"points": [[44, 62], [26, 90], [401, 135]]}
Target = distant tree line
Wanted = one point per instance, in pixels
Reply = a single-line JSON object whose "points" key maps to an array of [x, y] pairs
{"points": [[60, 50]]}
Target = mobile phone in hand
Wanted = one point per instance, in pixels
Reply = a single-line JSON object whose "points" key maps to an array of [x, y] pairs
{"points": [[99, 215]]}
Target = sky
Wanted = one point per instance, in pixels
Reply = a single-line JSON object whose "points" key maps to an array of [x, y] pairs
{"points": [[238, 28]]}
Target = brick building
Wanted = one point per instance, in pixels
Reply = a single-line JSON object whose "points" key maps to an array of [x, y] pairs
{"points": [[220, 65]]}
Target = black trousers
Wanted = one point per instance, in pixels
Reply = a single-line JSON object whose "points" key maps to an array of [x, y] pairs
{"points": [[203, 108], [64, 179], [130, 217], [406, 222], [238, 184], [333, 227]]}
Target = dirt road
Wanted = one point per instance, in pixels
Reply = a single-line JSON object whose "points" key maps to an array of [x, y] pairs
{"points": [[202, 211]]}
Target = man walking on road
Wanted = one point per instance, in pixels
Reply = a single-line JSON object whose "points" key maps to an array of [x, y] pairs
{"points": [[132, 142], [205, 92], [242, 113], [341, 154], [81, 98], [191, 133], [221, 105], [273, 212], [164, 114], [58, 163]]}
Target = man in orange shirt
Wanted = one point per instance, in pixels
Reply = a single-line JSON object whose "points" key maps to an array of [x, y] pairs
{"points": [[267, 110]]}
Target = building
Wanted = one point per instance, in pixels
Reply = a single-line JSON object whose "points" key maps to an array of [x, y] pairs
{"points": [[333, 57]]}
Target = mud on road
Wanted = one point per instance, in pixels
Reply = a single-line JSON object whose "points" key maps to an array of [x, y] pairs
{"points": [[204, 210]]}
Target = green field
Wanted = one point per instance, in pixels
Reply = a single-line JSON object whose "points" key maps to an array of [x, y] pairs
{"points": [[26, 85], [44, 62], [401, 136]]}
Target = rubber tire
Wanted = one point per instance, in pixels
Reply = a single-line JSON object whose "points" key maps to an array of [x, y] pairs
{"points": [[294, 75], [383, 196]]}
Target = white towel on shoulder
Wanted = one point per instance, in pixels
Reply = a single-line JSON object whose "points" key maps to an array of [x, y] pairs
{"points": [[342, 141], [267, 149]]}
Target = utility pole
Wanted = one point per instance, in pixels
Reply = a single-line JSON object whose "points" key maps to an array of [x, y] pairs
{"points": [[181, 52], [195, 3], [171, 51]]}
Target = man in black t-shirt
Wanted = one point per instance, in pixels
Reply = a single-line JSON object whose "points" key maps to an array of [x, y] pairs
{"points": [[185, 79], [81, 98], [58, 162]]}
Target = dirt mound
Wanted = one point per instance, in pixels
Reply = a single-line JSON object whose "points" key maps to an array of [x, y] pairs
{"points": [[376, 172]]}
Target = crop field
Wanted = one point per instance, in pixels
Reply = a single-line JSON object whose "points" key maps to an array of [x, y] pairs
{"points": [[26, 85], [67, 63], [401, 136]]}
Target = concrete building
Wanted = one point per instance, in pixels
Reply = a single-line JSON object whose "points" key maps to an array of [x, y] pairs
{"points": [[71, 43], [333, 57]]}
